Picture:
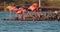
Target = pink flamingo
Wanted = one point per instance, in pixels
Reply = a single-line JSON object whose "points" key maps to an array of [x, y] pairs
{"points": [[34, 7], [21, 12], [12, 9]]}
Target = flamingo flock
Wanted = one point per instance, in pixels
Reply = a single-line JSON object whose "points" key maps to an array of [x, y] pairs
{"points": [[21, 11]]}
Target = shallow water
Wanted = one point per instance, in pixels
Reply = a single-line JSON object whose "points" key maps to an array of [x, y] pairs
{"points": [[13, 15], [27, 26]]}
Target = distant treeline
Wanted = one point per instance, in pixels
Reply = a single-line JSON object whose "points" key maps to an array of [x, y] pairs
{"points": [[28, 2]]}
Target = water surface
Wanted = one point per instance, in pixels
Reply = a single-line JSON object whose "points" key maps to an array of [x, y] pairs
{"points": [[27, 26]]}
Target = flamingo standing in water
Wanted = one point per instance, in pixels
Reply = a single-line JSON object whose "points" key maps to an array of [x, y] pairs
{"points": [[21, 12], [34, 7], [11, 9]]}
